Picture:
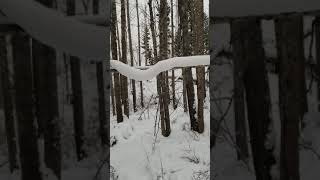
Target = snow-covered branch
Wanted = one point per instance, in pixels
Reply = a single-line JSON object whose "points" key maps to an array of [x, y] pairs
{"points": [[89, 19], [164, 65], [54, 29]]}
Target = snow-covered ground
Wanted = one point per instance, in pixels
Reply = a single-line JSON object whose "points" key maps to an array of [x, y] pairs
{"points": [[141, 152], [225, 164]]}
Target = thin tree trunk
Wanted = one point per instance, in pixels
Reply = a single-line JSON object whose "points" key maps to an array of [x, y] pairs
{"points": [[124, 79], [173, 84], [290, 48], [153, 33], [101, 91], [7, 90], [317, 31], [113, 97], [77, 98], [133, 82], [248, 50], [24, 101], [139, 52], [114, 56], [239, 111]]}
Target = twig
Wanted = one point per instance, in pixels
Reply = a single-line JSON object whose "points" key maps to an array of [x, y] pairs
{"points": [[4, 163]]}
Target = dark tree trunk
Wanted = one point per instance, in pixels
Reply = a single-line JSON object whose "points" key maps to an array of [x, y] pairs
{"points": [[290, 48], [24, 100], [115, 56], [247, 46], [239, 109], [101, 91], [163, 85], [77, 96], [124, 79], [173, 84], [153, 33], [7, 90], [139, 52], [186, 51], [133, 82], [46, 88], [317, 31], [199, 46]]}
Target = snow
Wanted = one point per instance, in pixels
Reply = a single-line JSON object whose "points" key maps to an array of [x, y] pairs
{"points": [[140, 154], [225, 165], [238, 8], [161, 66], [54, 29]]}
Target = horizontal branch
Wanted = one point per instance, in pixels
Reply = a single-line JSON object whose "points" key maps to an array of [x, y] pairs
{"points": [[89, 19], [150, 72]]}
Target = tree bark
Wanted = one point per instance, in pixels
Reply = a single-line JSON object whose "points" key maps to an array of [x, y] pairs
{"points": [[139, 53], [77, 98], [247, 46], [24, 100], [186, 51], [163, 85], [290, 48], [199, 46], [101, 91], [173, 84], [115, 56], [124, 79], [133, 82], [317, 31], [7, 90]]}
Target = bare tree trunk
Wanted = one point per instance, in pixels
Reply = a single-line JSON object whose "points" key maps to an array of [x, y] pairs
{"points": [[248, 50], [7, 90], [139, 52], [115, 56], [186, 51], [24, 100], [164, 93], [199, 49], [317, 31], [133, 82], [290, 48], [173, 84], [46, 88], [153, 33], [113, 97], [124, 79], [239, 110], [77, 98], [101, 91]]}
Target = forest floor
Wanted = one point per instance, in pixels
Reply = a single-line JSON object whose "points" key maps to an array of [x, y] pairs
{"points": [[141, 152]]}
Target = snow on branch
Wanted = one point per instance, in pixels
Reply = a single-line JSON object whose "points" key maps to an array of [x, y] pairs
{"points": [[54, 29], [164, 65], [89, 19]]}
